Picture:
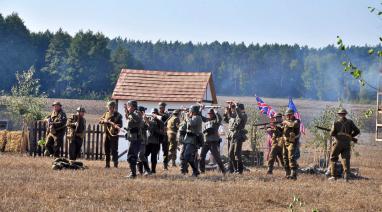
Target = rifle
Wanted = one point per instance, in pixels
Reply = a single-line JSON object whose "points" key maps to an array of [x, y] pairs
{"points": [[211, 107], [355, 140], [267, 123]]}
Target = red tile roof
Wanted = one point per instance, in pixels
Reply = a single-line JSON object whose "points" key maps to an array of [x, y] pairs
{"points": [[169, 86]]}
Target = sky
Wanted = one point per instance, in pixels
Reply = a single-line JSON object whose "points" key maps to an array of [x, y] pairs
{"points": [[314, 23]]}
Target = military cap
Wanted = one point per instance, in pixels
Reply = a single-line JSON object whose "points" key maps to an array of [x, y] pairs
{"points": [[56, 103], [111, 104], [194, 109], [162, 104], [155, 111], [141, 108], [240, 106], [81, 109], [133, 103], [211, 111], [176, 112], [289, 111], [342, 111]]}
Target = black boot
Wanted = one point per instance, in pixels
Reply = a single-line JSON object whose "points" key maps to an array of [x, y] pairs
{"points": [[293, 175], [153, 168], [165, 165], [147, 168], [287, 172], [107, 165], [133, 171], [195, 171], [140, 168], [270, 170], [115, 164]]}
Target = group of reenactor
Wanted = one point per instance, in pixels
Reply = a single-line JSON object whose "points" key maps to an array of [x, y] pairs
{"points": [[189, 131]]}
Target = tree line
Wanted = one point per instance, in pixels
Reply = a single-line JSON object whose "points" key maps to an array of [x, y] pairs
{"points": [[87, 64]]}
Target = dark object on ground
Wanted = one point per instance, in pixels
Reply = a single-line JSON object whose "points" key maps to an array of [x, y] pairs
{"points": [[62, 163], [316, 170]]}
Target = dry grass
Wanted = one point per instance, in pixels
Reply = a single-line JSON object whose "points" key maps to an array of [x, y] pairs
{"points": [[28, 184]]}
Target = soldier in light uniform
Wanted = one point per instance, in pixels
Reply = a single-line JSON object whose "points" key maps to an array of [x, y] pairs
{"points": [[291, 135], [56, 130], [76, 133], [112, 121], [133, 135], [236, 118], [212, 140], [155, 132], [164, 141], [276, 132], [142, 159], [344, 131], [172, 130], [192, 140]]}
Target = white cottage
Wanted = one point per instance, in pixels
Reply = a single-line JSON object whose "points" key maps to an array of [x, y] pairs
{"points": [[177, 89]]}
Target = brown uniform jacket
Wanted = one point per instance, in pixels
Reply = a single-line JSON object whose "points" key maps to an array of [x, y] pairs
{"points": [[115, 118], [344, 130], [76, 126], [57, 123]]}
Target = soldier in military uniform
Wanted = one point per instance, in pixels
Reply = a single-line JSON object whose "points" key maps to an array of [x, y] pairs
{"points": [[164, 141], [212, 140], [236, 118], [276, 132], [133, 135], [155, 132], [112, 121], [142, 159], [56, 130], [192, 140], [76, 133], [343, 130], [291, 135], [172, 130]]}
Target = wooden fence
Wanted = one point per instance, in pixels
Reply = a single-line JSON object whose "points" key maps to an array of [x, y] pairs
{"points": [[92, 145]]}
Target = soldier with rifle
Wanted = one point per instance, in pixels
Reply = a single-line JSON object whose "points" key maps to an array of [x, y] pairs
{"points": [[142, 159], [112, 121], [172, 130], [76, 133], [56, 128], [164, 140], [275, 130]]}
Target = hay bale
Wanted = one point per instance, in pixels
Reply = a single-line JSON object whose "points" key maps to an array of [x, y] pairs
{"points": [[10, 141]]}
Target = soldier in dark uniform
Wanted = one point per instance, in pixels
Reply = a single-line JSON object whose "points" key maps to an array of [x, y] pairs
{"points": [[142, 159], [212, 140], [56, 130], [236, 118], [276, 132], [164, 141], [76, 133], [192, 140], [172, 130], [155, 132], [344, 131], [133, 135], [112, 121], [291, 135]]}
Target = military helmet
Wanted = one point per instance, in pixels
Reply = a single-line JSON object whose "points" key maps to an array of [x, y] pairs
{"points": [[155, 111], [111, 104], [211, 111], [176, 112], [56, 103], [240, 106], [194, 109], [342, 111], [133, 103], [277, 115], [141, 108], [162, 104], [289, 111], [81, 109]]}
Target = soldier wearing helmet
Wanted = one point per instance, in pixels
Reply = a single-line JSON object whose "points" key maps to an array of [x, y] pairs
{"points": [[343, 130], [275, 131], [56, 129], [112, 121], [291, 136], [143, 164], [172, 130], [76, 133], [164, 141]]}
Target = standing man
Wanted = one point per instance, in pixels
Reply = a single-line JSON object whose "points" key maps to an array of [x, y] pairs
{"points": [[172, 130], [193, 139], [164, 141], [56, 130], [142, 159], [76, 125], [344, 131], [276, 132], [212, 140], [155, 133], [236, 118], [112, 121], [134, 135], [291, 135]]}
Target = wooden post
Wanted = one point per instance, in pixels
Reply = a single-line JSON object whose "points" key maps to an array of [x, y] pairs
{"points": [[102, 142], [92, 153], [97, 142], [88, 143]]}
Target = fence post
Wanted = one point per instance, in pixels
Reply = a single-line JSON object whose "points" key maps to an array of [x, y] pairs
{"points": [[89, 140], [102, 142], [97, 142]]}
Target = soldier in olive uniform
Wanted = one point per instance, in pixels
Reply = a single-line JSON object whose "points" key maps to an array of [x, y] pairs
{"points": [[142, 159], [236, 118], [212, 140], [112, 121], [291, 135], [344, 131], [192, 140], [76, 133], [164, 141], [133, 135], [172, 130], [276, 132], [155, 132], [56, 130]]}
